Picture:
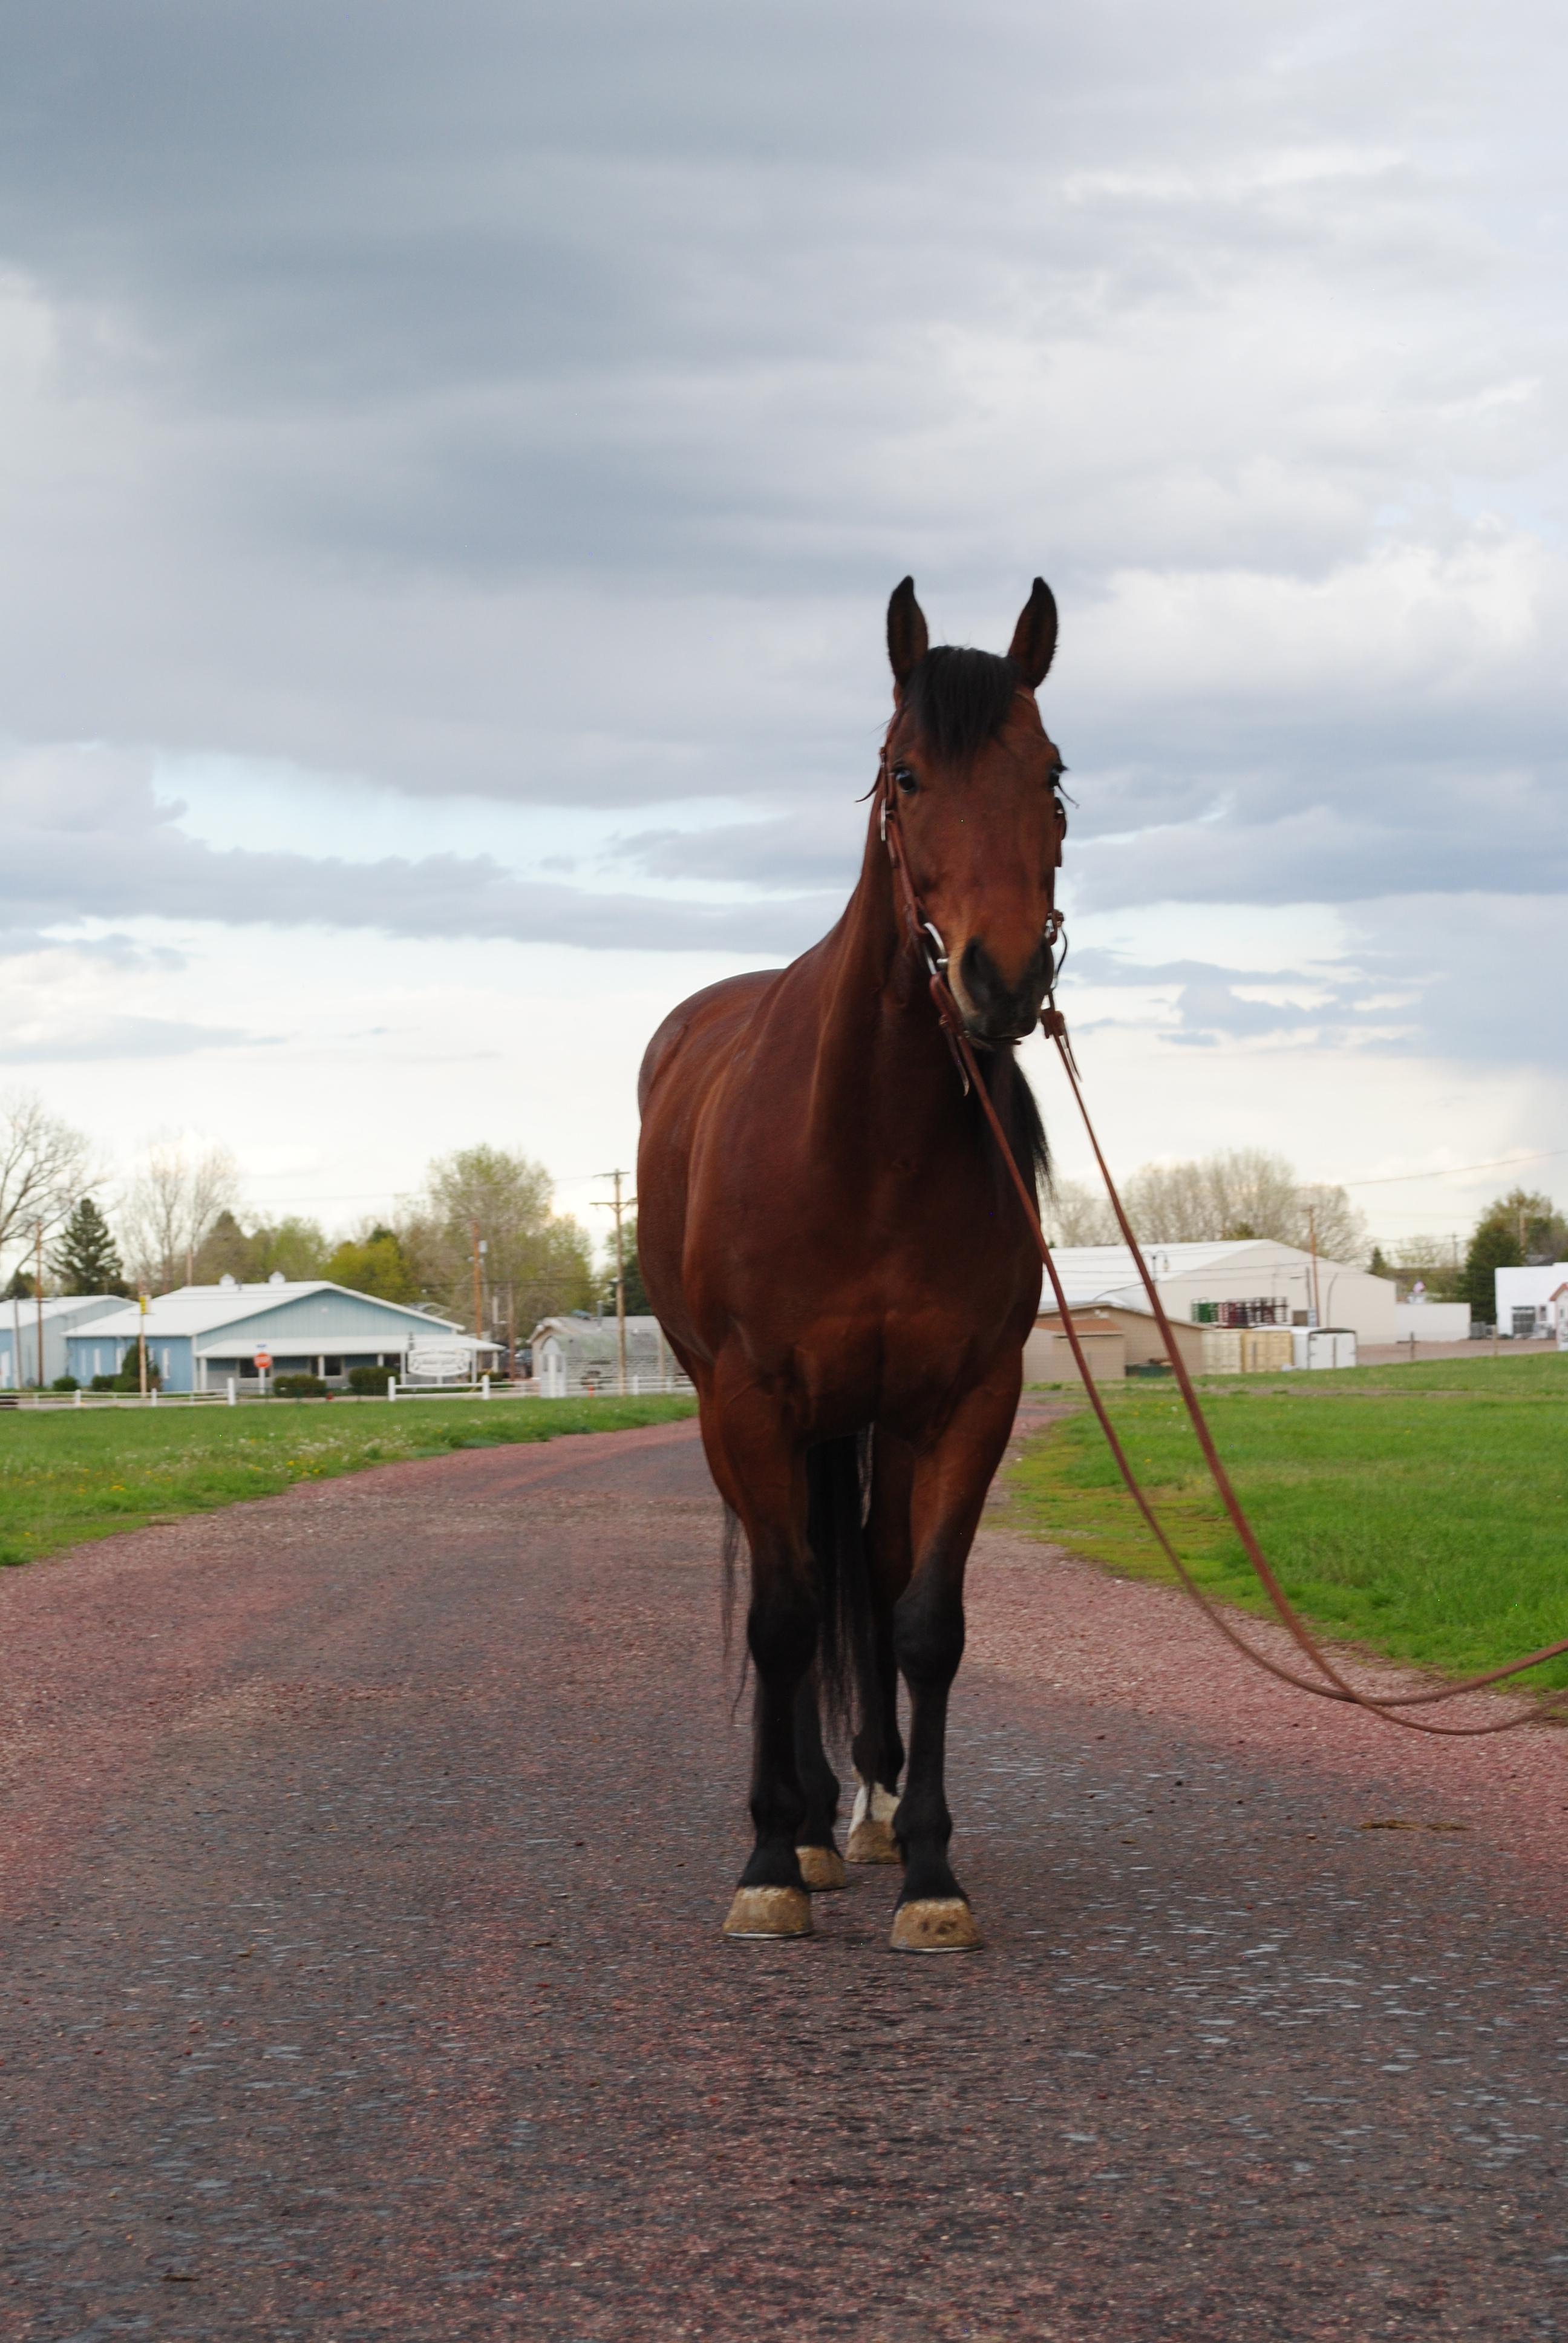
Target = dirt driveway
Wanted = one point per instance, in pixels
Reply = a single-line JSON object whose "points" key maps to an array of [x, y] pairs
{"points": [[360, 1883]]}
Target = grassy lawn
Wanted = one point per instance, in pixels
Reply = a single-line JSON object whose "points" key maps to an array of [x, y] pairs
{"points": [[71, 1476], [1421, 1511]]}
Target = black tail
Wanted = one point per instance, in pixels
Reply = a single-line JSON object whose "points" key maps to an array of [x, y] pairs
{"points": [[838, 1476], [838, 1481]]}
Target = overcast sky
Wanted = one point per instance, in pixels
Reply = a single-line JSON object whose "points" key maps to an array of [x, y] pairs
{"points": [[454, 460]]}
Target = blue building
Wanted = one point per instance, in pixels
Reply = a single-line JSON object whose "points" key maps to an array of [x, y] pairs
{"points": [[200, 1335]]}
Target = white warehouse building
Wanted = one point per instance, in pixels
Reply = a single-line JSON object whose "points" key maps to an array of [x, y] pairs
{"points": [[1248, 1281]]}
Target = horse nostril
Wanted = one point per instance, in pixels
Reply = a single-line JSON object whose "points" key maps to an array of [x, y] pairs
{"points": [[999, 1009]]}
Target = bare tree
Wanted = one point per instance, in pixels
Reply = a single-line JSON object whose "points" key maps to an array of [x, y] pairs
{"points": [[1074, 1215], [44, 1169], [170, 1207], [1244, 1192], [1171, 1203]]}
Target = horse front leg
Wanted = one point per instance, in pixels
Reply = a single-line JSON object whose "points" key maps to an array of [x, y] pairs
{"points": [[949, 1485], [764, 1480]]}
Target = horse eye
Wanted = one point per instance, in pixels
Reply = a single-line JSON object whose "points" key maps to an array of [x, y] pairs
{"points": [[905, 779]]}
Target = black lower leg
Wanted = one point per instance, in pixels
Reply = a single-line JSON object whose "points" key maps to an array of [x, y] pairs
{"points": [[930, 1637], [818, 1782], [877, 1747], [782, 1629]]}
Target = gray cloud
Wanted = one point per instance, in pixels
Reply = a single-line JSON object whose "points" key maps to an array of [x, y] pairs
{"points": [[1440, 976], [87, 838], [92, 1039], [542, 401]]}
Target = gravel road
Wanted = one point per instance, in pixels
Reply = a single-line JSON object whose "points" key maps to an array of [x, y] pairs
{"points": [[365, 1854]]}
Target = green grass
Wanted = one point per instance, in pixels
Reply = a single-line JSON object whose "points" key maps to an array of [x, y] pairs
{"points": [[69, 1476], [1421, 1511]]}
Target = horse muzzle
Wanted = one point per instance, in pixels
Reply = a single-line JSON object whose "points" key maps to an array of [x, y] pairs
{"points": [[994, 1009]]}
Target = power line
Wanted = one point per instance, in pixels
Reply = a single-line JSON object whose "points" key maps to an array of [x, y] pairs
{"points": [[1453, 1171]]}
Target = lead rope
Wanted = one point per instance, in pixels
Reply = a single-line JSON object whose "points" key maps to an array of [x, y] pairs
{"points": [[1334, 1686]]}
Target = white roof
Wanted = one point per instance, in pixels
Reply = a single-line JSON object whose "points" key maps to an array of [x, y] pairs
{"points": [[1233, 1268], [58, 1305], [198, 1309]]}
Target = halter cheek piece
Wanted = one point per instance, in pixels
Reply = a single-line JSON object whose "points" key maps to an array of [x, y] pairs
{"points": [[926, 937]]}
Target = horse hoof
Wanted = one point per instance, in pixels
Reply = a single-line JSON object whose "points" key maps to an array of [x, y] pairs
{"points": [[821, 1867], [871, 1836], [770, 1912], [872, 1843], [937, 1924]]}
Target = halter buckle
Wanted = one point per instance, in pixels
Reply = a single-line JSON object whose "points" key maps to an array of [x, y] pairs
{"points": [[937, 961]]}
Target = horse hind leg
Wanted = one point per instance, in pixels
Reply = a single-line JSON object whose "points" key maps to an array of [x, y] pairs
{"points": [[871, 1836], [822, 1865], [879, 1748]]}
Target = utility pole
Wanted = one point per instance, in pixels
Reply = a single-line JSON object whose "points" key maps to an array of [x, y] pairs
{"points": [[142, 1343], [620, 1207], [478, 1294], [1312, 1240], [38, 1291]]}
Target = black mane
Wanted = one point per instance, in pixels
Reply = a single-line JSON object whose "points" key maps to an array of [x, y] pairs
{"points": [[958, 700]]}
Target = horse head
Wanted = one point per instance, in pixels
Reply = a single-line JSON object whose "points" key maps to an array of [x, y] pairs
{"points": [[971, 779]]}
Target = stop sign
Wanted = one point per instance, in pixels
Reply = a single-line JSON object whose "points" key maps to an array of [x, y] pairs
{"points": [[263, 1360]]}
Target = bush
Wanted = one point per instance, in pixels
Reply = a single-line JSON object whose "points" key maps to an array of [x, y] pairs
{"points": [[371, 1382], [65, 1382], [298, 1387], [102, 1382]]}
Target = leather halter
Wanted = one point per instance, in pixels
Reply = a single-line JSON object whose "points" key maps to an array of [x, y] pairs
{"points": [[926, 937]]}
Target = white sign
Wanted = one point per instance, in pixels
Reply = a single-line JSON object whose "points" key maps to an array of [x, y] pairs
{"points": [[446, 1363]]}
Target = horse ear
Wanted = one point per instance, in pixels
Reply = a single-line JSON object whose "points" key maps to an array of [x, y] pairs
{"points": [[1033, 644], [907, 642]]}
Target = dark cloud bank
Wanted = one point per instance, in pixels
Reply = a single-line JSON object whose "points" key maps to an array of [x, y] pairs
{"points": [[540, 403]]}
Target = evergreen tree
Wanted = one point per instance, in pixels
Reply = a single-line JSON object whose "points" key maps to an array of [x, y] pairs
{"points": [[86, 1258], [1518, 1228]]}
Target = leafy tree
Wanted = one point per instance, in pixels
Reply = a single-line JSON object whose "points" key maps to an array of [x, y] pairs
{"points": [[376, 1264], [1519, 1227], [20, 1288], [293, 1245], [86, 1258], [536, 1265]]}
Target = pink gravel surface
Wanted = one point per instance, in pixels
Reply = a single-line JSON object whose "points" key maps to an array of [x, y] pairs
{"points": [[365, 1854]]}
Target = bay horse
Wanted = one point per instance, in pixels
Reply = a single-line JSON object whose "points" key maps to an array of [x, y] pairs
{"points": [[847, 1276]]}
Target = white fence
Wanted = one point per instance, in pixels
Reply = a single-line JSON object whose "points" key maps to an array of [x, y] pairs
{"points": [[231, 1395]]}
